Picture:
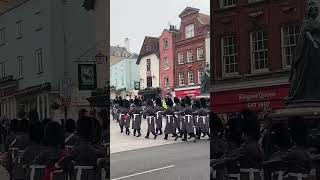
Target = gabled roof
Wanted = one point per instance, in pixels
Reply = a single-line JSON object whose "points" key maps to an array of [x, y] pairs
{"points": [[114, 49], [150, 46], [204, 19], [188, 10]]}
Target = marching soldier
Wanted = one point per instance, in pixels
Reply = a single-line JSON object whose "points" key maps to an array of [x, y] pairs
{"points": [[196, 108], [71, 138], [177, 110], [126, 116], [188, 120], [122, 112], [204, 118], [135, 114], [169, 116], [159, 110], [150, 115]]}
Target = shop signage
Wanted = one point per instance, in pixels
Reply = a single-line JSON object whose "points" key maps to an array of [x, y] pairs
{"points": [[189, 92]]}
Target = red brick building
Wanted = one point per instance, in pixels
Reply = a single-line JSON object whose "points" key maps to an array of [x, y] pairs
{"points": [[166, 49], [190, 52], [253, 45]]}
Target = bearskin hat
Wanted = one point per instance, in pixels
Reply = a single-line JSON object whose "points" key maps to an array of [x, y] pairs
{"points": [[280, 135], [187, 100], [197, 104], [298, 130], [150, 103], [216, 124], [36, 132], [53, 134], [126, 104], [250, 124], [203, 103], [169, 102], [136, 102], [70, 125], [176, 100], [158, 101]]}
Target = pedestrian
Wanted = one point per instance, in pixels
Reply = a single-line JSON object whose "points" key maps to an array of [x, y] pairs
{"points": [[169, 115], [150, 115], [159, 110], [136, 117]]}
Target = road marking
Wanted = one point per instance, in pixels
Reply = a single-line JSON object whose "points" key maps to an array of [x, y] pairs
{"points": [[145, 172]]}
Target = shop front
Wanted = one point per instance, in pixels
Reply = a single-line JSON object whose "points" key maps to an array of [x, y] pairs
{"points": [[228, 103], [191, 92]]}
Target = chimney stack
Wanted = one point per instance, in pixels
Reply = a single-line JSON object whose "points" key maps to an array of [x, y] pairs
{"points": [[127, 44]]}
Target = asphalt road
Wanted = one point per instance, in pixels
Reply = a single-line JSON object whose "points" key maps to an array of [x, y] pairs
{"points": [[181, 161]]}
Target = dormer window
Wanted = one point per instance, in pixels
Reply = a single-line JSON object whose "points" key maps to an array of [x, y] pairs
{"points": [[189, 31]]}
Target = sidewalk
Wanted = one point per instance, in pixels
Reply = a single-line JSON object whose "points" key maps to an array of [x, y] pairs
{"points": [[122, 142]]}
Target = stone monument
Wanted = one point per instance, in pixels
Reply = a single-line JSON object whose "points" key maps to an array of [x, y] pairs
{"points": [[304, 93]]}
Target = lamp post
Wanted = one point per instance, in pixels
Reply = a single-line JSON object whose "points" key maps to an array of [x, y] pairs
{"points": [[100, 58]]}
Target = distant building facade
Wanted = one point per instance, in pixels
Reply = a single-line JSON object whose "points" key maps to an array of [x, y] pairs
{"points": [[190, 52], [123, 75], [167, 63]]}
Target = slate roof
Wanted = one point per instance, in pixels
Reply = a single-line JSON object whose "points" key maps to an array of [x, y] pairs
{"points": [[114, 49], [150, 46]]}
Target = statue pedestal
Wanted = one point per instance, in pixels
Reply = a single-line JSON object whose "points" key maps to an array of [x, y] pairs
{"points": [[306, 110]]}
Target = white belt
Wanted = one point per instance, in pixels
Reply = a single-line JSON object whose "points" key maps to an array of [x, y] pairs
{"points": [[300, 176], [134, 116], [280, 175], [120, 115], [157, 113], [55, 171], [80, 168], [188, 117], [150, 118], [203, 119], [214, 172], [169, 117], [197, 119], [234, 176], [33, 170], [313, 172], [68, 148], [251, 172]]}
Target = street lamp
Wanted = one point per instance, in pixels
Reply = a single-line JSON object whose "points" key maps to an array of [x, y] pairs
{"points": [[99, 58]]}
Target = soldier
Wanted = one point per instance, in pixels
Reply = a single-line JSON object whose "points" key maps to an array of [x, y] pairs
{"points": [[204, 118], [46, 164], [150, 115], [169, 115], [177, 111], [122, 111], [71, 138], [196, 120], [188, 120], [126, 116], [135, 114], [159, 109], [35, 147]]}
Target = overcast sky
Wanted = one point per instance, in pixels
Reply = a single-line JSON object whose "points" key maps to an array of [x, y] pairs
{"points": [[136, 19]]}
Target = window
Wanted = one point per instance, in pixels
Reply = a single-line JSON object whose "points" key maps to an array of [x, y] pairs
{"points": [[227, 3], [190, 56], [165, 43], [2, 36], [259, 51], [166, 82], [200, 53], [189, 31], [149, 82], [229, 55], [37, 19], [39, 57], [181, 79], [20, 63], [148, 65], [200, 76], [290, 35], [19, 29], [2, 69], [190, 77], [180, 58], [165, 63]]}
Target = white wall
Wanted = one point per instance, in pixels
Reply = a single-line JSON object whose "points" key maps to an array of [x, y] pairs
{"points": [[154, 71]]}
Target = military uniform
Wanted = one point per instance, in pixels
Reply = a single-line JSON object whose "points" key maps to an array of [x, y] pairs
{"points": [[70, 141], [150, 115], [136, 119], [159, 115], [170, 124]]}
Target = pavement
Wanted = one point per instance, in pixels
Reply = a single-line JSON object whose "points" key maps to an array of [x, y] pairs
{"points": [[144, 159]]}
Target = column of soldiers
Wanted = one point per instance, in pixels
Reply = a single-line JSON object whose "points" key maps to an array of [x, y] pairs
{"points": [[182, 117], [243, 150], [48, 150]]}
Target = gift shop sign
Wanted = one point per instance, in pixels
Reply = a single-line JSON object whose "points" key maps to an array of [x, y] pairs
{"points": [[253, 98]]}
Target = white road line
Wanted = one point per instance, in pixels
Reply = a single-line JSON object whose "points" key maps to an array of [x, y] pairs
{"points": [[145, 172]]}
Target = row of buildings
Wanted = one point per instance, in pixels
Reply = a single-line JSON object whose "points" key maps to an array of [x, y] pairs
{"points": [[253, 47], [49, 60], [172, 64]]}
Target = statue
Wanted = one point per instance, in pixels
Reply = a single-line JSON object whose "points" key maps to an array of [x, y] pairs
{"points": [[305, 73], [205, 79]]}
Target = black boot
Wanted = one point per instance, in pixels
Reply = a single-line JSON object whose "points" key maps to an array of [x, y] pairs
{"points": [[177, 138], [134, 132], [160, 132], [121, 129], [195, 137], [147, 136], [139, 134], [155, 135], [166, 137], [184, 136]]}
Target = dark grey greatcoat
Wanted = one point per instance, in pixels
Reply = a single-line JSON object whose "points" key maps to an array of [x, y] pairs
{"points": [[159, 116], [170, 125], [150, 115], [126, 118], [177, 110], [122, 112], [189, 120], [203, 120], [136, 117]]}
